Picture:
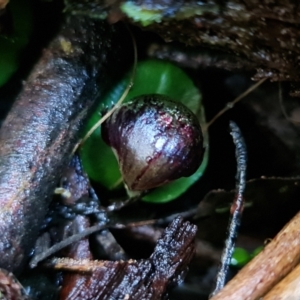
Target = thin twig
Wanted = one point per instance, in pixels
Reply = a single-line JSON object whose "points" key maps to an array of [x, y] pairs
{"points": [[66, 242], [76, 237], [231, 104], [124, 95], [236, 208]]}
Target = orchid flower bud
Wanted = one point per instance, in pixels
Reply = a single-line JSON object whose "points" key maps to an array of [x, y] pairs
{"points": [[156, 140]]}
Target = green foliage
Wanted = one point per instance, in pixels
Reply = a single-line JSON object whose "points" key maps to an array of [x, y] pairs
{"points": [[147, 14], [138, 14], [152, 76], [241, 256]]}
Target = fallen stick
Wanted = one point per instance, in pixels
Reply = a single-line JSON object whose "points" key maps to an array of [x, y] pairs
{"points": [[287, 288], [41, 129], [259, 276]]}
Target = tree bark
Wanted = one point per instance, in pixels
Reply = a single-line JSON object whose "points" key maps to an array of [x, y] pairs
{"points": [[261, 33], [40, 131]]}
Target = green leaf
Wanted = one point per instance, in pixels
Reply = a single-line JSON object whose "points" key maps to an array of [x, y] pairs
{"points": [[152, 77], [240, 257]]}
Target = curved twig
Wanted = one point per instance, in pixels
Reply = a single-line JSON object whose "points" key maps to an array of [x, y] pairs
{"points": [[236, 207]]}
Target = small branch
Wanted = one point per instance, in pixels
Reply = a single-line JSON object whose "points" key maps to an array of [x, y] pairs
{"points": [[278, 258], [78, 236], [42, 128], [120, 101], [236, 208], [66, 242], [231, 104], [287, 288]]}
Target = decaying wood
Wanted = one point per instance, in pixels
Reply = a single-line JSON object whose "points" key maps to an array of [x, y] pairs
{"points": [[149, 234], [142, 279], [278, 258], [77, 185], [265, 33], [41, 129], [262, 34]]}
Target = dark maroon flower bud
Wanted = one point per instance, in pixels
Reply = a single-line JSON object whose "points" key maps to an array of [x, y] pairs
{"points": [[155, 139]]}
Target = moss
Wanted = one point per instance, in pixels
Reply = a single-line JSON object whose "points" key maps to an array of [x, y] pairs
{"points": [[147, 15]]}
